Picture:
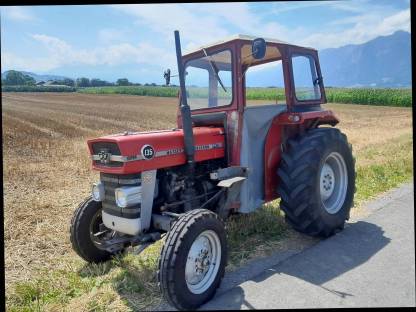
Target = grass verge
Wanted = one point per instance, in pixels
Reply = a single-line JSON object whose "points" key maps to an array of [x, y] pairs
{"points": [[128, 283], [386, 166]]}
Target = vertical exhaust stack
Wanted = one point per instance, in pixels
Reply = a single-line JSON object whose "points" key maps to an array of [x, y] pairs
{"points": [[185, 110], [188, 134]]}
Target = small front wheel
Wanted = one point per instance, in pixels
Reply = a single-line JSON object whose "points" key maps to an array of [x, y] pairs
{"points": [[86, 226], [193, 259]]}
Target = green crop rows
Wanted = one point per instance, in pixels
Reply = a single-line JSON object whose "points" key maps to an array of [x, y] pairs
{"points": [[133, 90], [38, 89], [367, 96], [386, 97]]}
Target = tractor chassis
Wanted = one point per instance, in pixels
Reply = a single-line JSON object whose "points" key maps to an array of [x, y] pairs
{"points": [[118, 243], [230, 180]]}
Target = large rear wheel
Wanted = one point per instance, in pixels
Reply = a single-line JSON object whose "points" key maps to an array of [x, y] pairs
{"points": [[317, 181]]}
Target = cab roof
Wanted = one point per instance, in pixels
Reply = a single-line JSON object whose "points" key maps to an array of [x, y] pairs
{"points": [[241, 37]]}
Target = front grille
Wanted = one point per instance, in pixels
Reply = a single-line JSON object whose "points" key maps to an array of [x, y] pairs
{"points": [[110, 147], [113, 181]]}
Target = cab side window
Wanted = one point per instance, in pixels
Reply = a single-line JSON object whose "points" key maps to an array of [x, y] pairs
{"points": [[264, 84], [305, 78]]}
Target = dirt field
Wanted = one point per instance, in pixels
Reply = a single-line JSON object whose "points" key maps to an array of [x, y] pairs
{"points": [[47, 169]]}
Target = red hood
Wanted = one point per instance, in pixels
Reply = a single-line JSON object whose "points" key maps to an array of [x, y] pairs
{"points": [[168, 147]]}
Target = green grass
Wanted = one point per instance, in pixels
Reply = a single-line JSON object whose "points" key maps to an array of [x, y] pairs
{"points": [[401, 97], [38, 89], [129, 282], [366, 96], [132, 279], [393, 165], [270, 94], [245, 234], [54, 287], [370, 96], [121, 277], [133, 90]]}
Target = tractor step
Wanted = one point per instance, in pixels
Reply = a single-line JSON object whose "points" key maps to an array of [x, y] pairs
{"points": [[229, 172]]}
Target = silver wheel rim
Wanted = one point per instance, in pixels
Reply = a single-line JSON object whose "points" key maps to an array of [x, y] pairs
{"points": [[96, 235], [333, 181], [203, 262]]}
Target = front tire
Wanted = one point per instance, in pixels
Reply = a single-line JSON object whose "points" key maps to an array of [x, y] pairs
{"points": [[193, 259], [317, 182], [84, 224]]}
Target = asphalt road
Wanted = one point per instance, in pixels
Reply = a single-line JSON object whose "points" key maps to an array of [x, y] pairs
{"points": [[369, 264]]}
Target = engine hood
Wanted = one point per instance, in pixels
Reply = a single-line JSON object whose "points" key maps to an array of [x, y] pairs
{"points": [[128, 152]]}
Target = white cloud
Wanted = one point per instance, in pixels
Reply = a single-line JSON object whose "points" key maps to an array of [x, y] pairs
{"points": [[201, 24], [398, 21], [355, 19], [206, 23], [17, 13], [60, 53], [107, 35], [241, 17], [52, 43], [37, 64], [164, 18], [284, 7], [366, 27], [347, 6]]}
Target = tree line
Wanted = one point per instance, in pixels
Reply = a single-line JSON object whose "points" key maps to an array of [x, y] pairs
{"points": [[16, 78]]}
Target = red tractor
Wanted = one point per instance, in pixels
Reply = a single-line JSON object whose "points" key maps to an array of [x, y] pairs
{"points": [[224, 157]]}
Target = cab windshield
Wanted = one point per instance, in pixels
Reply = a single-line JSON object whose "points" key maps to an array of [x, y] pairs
{"points": [[208, 80]]}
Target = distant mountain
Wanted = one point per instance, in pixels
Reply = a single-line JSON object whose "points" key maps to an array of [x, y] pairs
{"points": [[382, 62], [37, 77]]}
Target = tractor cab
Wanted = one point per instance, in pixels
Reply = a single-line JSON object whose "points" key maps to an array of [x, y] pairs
{"points": [[218, 94], [215, 74]]}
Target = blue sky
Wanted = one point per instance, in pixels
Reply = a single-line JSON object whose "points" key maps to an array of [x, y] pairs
{"points": [[136, 41]]}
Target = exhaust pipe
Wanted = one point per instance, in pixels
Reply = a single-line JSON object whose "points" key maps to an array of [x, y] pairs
{"points": [[188, 134], [185, 110]]}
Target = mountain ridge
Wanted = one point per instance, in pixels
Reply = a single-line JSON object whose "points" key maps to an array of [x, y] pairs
{"points": [[384, 61]]}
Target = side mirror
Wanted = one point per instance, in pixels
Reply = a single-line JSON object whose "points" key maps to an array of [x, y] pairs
{"points": [[166, 75], [258, 48]]}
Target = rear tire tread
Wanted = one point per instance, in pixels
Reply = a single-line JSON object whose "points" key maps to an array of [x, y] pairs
{"points": [[297, 172]]}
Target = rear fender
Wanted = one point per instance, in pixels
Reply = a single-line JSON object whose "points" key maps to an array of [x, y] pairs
{"points": [[283, 127]]}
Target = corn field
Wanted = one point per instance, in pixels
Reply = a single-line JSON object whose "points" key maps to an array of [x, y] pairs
{"points": [[367, 96], [401, 97]]}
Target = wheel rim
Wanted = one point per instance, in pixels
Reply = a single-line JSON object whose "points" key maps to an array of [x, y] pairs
{"points": [[99, 232], [333, 182], [203, 262]]}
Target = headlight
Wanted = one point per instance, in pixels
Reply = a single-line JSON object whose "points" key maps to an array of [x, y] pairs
{"points": [[128, 196], [98, 191]]}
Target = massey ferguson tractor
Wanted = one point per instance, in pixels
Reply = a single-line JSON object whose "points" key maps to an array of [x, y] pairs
{"points": [[223, 158]]}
